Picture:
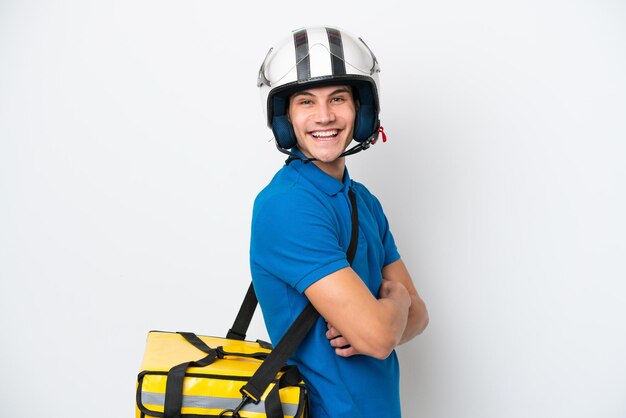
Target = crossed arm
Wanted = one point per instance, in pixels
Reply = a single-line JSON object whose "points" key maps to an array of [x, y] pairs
{"points": [[360, 323]]}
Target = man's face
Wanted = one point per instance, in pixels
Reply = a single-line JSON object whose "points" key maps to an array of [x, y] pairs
{"points": [[323, 121]]}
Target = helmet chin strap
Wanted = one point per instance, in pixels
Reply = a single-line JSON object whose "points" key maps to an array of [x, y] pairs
{"points": [[357, 148]]}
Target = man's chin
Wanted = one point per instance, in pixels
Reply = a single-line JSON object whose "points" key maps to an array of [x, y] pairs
{"points": [[328, 159], [324, 155]]}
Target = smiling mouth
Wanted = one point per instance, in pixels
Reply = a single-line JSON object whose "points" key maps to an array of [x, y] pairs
{"points": [[330, 134]]}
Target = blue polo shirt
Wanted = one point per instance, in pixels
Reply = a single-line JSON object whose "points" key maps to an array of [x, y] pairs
{"points": [[300, 233]]}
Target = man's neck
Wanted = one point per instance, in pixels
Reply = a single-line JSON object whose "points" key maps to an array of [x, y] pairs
{"points": [[334, 169]]}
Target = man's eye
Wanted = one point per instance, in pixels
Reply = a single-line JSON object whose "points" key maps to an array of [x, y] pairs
{"points": [[338, 99], [306, 102]]}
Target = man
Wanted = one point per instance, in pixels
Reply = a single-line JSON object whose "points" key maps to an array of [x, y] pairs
{"points": [[320, 89]]}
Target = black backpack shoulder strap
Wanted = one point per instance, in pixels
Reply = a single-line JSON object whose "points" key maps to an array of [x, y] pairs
{"points": [[246, 312]]}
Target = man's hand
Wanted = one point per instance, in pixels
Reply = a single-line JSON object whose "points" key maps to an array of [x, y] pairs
{"points": [[418, 315], [391, 289], [343, 348]]}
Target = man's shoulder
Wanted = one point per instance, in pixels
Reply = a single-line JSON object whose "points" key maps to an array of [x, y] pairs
{"points": [[368, 199], [286, 191], [361, 190], [291, 181]]}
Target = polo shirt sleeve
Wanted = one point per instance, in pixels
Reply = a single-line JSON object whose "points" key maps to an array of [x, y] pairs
{"points": [[295, 238]]}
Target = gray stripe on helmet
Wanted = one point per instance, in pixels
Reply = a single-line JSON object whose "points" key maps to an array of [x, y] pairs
{"points": [[303, 65], [214, 402], [336, 51]]}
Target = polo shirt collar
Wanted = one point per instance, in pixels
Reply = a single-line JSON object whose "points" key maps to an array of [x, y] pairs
{"points": [[324, 182]]}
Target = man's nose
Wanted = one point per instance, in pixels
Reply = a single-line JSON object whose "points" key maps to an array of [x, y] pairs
{"points": [[324, 114]]}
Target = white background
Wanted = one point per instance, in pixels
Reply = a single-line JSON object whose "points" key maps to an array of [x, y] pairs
{"points": [[132, 146]]}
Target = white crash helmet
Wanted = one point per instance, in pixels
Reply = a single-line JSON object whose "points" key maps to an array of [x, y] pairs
{"points": [[314, 57]]}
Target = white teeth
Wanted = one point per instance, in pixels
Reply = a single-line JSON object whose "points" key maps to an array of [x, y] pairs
{"points": [[324, 134]]}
